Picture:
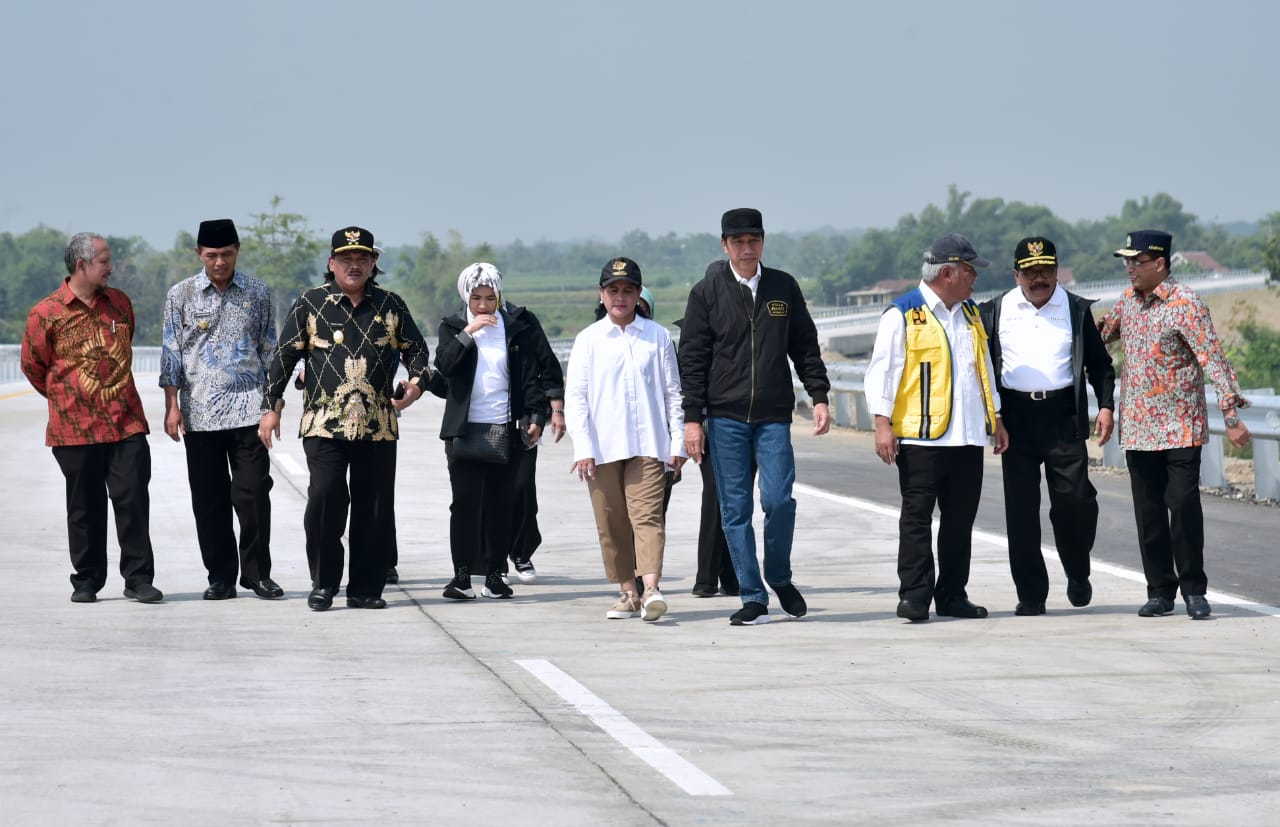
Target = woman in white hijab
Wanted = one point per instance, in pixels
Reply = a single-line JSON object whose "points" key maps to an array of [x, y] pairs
{"points": [[485, 355]]}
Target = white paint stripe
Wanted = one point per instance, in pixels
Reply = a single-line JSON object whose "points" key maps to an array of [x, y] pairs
{"points": [[643, 745], [290, 465], [1002, 541]]}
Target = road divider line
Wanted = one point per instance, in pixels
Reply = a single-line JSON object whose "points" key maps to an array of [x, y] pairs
{"points": [[290, 465], [1001, 541], [644, 746]]}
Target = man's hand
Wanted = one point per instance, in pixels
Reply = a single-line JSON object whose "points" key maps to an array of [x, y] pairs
{"points": [[412, 392], [821, 419], [267, 426], [174, 425], [1001, 438], [1104, 425], [556, 423], [886, 441], [695, 441], [533, 432], [676, 464], [1239, 435], [584, 468]]}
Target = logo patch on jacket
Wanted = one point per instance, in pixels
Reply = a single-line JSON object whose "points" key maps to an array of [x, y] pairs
{"points": [[777, 308]]}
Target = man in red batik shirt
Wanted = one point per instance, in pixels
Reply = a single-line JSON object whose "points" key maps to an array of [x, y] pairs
{"points": [[78, 353]]}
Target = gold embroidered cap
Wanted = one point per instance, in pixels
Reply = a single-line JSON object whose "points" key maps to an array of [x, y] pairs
{"points": [[1034, 251]]}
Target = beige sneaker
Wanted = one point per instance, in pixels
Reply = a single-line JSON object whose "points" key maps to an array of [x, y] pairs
{"points": [[628, 605], [654, 604]]}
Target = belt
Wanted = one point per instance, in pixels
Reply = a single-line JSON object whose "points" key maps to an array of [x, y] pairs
{"points": [[1037, 396]]}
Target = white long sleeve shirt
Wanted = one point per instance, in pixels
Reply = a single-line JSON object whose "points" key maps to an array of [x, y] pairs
{"points": [[968, 424], [622, 395]]}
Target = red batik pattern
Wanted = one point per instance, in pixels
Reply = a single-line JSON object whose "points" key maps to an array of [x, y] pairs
{"points": [[1170, 347], [80, 358]]}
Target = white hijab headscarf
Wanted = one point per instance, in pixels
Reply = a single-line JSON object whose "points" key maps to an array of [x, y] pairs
{"points": [[480, 274]]}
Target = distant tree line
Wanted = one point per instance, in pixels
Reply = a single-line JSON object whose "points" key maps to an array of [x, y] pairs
{"points": [[284, 251]]}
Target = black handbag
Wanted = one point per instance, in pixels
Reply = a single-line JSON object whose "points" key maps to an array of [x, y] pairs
{"points": [[483, 442]]}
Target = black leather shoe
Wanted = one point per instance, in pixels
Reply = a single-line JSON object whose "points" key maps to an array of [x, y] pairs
{"points": [[144, 593], [320, 599], [1197, 607], [219, 591], [913, 610], [1155, 607], [961, 608], [1026, 608], [1079, 592], [365, 602], [393, 576], [84, 596], [266, 588]]}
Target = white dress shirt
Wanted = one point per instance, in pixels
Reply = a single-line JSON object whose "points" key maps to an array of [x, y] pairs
{"points": [[622, 395], [491, 386], [1035, 343], [968, 425], [753, 283]]}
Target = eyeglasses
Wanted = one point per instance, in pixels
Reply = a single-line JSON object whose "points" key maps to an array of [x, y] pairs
{"points": [[1037, 275], [1135, 262], [965, 269]]}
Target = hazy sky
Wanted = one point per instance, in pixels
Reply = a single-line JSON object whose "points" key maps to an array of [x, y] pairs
{"points": [[558, 120]]}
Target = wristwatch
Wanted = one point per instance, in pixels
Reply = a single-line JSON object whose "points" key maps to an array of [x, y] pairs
{"points": [[1231, 421]]}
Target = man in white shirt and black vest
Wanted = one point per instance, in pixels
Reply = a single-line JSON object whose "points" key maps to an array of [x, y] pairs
{"points": [[1044, 345]]}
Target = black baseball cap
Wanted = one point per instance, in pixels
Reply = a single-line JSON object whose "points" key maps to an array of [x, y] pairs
{"points": [[1156, 242], [954, 247], [620, 269]]}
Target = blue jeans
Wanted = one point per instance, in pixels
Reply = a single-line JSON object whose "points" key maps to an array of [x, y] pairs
{"points": [[735, 447]]}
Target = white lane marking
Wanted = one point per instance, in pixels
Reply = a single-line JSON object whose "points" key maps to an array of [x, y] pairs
{"points": [[290, 465], [1002, 541], [643, 745]]}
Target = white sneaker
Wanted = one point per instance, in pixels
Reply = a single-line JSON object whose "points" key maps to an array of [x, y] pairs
{"points": [[525, 571], [628, 605], [654, 605]]}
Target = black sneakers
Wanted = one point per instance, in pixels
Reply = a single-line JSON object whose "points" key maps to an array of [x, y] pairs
{"points": [[751, 614], [459, 588], [525, 570], [495, 589], [792, 602]]}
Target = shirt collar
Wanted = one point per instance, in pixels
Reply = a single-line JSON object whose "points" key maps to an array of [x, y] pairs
{"points": [[740, 279], [203, 282], [931, 298]]}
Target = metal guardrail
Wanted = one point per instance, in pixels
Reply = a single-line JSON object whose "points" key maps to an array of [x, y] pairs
{"points": [[849, 409]]}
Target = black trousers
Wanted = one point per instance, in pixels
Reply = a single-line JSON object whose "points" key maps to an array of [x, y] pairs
{"points": [[715, 566], [370, 499], [951, 479], [480, 516], [121, 471], [1043, 433], [230, 471], [525, 535], [1166, 504]]}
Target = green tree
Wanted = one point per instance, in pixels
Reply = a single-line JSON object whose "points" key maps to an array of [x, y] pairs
{"points": [[281, 250]]}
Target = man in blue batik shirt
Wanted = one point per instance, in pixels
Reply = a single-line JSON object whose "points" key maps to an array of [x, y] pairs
{"points": [[219, 336]]}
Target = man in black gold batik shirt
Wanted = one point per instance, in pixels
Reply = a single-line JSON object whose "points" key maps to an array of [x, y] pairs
{"points": [[353, 336]]}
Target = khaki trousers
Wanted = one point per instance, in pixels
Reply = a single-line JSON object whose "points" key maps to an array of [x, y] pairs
{"points": [[626, 497]]}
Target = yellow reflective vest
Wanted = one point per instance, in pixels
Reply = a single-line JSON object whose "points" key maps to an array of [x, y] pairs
{"points": [[922, 405]]}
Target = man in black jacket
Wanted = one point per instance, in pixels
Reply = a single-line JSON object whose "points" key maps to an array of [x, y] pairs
{"points": [[1044, 344], [742, 324]]}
